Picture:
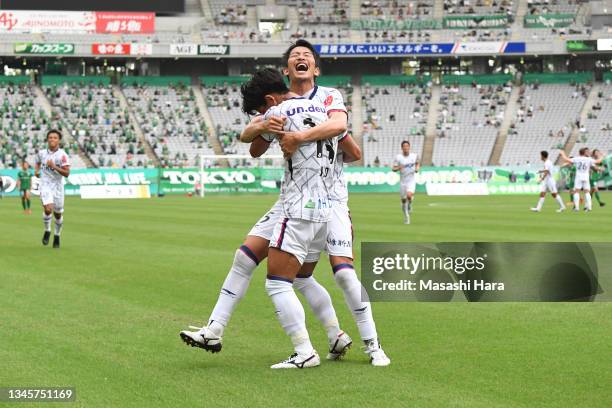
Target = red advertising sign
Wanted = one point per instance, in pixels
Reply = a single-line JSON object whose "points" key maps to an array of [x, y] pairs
{"points": [[122, 49], [124, 23], [110, 49]]}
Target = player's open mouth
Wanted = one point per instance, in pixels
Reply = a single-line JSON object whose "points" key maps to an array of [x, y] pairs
{"points": [[301, 67]]}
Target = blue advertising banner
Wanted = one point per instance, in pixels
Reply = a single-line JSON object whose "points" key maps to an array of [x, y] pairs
{"points": [[384, 49], [491, 47]]}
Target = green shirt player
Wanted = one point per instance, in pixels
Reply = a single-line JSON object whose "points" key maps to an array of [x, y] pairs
{"points": [[597, 173], [569, 174], [24, 182]]}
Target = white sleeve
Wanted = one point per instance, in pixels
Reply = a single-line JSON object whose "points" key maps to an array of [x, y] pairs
{"points": [[273, 111], [65, 160], [396, 161], [37, 159], [334, 102]]}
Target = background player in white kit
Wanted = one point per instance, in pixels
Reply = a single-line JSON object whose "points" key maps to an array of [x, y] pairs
{"points": [[407, 164], [547, 183], [583, 164], [52, 165]]}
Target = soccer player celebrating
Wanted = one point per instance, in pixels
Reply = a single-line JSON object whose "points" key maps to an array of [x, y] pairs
{"points": [[407, 164], [24, 182], [583, 165], [596, 175], [306, 209], [302, 66], [547, 183], [301, 63], [55, 165], [255, 247]]}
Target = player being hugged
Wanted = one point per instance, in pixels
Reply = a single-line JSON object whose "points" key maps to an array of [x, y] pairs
{"points": [[583, 164], [547, 183], [407, 164], [306, 208], [52, 165]]}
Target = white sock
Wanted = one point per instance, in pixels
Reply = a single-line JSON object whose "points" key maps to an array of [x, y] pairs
{"points": [[405, 208], [58, 225], [47, 222], [321, 304], [577, 201], [540, 203], [560, 201], [290, 313], [587, 200], [233, 289], [347, 280]]}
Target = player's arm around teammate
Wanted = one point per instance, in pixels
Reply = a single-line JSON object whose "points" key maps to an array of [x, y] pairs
{"points": [[350, 149], [259, 126]]}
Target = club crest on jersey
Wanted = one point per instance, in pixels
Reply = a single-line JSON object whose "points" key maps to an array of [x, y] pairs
{"points": [[300, 109], [328, 100]]}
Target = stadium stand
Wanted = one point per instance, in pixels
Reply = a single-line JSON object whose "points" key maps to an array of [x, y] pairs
{"points": [[597, 130], [546, 116], [90, 112], [470, 116], [553, 6], [480, 7], [397, 10], [170, 120], [323, 11], [393, 109], [231, 13], [24, 123]]}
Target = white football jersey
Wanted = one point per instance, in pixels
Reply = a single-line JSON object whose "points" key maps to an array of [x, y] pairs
{"points": [[408, 165], [548, 166], [48, 176], [332, 99], [340, 188], [583, 166], [309, 173]]}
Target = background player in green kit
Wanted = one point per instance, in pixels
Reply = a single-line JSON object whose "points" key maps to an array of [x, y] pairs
{"points": [[569, 174], [597, 173], [24, 182]]}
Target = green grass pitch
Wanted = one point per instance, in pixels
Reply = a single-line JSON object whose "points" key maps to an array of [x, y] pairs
{"points": [[103, 313]]}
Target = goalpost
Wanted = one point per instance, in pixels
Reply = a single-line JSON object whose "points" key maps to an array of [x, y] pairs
{"points": [[236, 161]]}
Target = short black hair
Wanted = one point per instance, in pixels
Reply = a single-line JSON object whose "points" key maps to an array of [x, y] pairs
{"points": [[583, 150], [57, 132], [263, 82], [404, 142], [544, 154], [305, 44]]}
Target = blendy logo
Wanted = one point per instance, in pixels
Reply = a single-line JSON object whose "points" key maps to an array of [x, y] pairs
{"points": [[206, 49]]}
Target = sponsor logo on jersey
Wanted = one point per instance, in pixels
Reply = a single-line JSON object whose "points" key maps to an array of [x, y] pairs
{"points": [[300, 109]]}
